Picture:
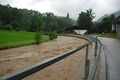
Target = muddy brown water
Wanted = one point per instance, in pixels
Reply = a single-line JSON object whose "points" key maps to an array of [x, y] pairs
{"points": [[16, 58]]}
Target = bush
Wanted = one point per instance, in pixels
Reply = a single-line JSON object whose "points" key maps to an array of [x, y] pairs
{"points": [[38, 37], [52, 35], [55, 34]]}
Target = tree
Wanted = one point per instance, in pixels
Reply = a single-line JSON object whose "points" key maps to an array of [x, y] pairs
{"points": [[105, 25], [15, 24], [100, 27], [53, 26], [31, 20], [84, 20], [8, 14], [57, 23], [35, 23], [67, 16], [48, 19]]}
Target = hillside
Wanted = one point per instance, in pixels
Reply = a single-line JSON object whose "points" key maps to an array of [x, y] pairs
{"points": [[117, 13]]}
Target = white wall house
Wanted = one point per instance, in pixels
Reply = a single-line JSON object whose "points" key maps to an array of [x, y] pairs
{"points": [[118, 30], [81, 32], [118, 26]]}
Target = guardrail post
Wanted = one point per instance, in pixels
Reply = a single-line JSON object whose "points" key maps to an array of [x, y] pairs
{"points": [[86, 52], [96, 46], [87, 64]]}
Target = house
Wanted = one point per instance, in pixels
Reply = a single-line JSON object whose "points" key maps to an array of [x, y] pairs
{"points": [[117, 25], [75, 30]]}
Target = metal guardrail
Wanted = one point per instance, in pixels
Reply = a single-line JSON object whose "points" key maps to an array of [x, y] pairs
{"points": [[27, 71], [98, 47]]}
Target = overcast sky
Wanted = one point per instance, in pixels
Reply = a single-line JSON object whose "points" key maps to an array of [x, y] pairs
{"points": [[62, 7]]}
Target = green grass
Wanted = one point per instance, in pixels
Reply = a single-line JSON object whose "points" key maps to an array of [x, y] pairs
{"points": [[10, 39], [109, 35]]}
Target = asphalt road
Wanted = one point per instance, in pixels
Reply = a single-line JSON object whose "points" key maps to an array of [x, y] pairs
{"points": [[112, 52]]}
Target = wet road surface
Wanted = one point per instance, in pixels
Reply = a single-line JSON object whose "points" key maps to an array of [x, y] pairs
{"points": [[112, 52]]}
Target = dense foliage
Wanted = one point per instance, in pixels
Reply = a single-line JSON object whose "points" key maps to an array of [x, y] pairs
{"points": [[105, 26], [84, 20], [38, 37], [31, 20], [52, 35]]}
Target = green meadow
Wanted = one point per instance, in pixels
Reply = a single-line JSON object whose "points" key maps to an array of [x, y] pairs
{"points": [[109, 35], [9, 39]]}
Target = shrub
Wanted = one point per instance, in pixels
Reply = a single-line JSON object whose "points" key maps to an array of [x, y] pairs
{"points": [[55, 34], [52, 35], [38, 37]]}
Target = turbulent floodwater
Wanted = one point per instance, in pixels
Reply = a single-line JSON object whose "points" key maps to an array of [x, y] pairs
{"points": [[13, 59]]}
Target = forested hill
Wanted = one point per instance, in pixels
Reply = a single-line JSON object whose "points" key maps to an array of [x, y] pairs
{"points": [[116, 14], [31, 20]]}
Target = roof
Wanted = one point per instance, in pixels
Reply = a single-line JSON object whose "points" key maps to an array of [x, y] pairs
{"points": [[73, 28], [117, 19]]}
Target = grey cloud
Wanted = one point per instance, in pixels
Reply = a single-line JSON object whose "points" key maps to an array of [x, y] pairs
{"points": [[74, 7], [5, 1], [71, 6]]}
